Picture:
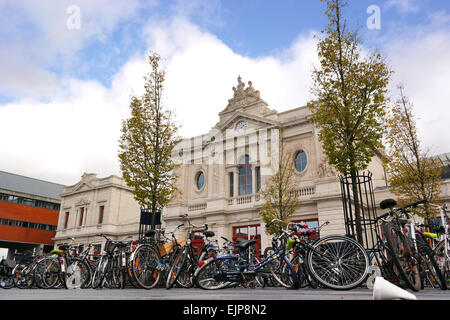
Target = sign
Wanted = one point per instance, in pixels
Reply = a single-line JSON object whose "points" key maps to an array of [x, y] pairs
{"points": [[146, 218]]}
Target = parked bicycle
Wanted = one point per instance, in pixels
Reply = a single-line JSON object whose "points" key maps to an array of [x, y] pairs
{"points": [[113, 265], [6, 273], [61, 269], [442, 248], [151, 260], [24, 269], [186, 260], [428, 267], [218, 272], [336, 262], [304, 234], [395, 253]]}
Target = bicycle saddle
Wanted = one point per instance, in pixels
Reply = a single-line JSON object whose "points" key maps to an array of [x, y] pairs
{"points": [[243, 244], [120, 244], [388, 203], [63, 247], [209, 234], [150, 233]]}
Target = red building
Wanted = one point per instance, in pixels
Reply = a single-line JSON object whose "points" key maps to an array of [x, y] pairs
{"points": [[29, 210]]}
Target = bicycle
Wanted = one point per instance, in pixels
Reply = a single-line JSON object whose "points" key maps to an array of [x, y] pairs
{"points": [[23, 272], [61, 269], [430, 270], [220, 271], [112, 267], [304, 234], [6, 273], [395, 255], [169, 251], [442, 248], [186, 261], [336, 262], [428, 267], [151, 261]]}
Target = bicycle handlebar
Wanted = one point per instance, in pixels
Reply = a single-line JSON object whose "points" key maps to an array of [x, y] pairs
{"points": [[402, 209]]}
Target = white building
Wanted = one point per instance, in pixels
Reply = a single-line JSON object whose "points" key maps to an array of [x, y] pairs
{"points": [[220, 178], [97, 206], [223, 170]]}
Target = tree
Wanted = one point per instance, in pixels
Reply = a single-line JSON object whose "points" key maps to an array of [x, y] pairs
{"points": [[349, 105], [413, 174], [280, 201], [146, 144]]}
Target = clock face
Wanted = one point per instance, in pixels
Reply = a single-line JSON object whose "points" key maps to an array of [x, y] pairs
{"points": [[241, 125]]}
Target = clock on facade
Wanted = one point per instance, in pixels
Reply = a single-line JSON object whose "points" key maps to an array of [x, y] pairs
{"points": [[241, 125]]}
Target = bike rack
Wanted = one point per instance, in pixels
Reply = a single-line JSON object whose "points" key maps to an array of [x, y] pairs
{"points": [[367, 206]]}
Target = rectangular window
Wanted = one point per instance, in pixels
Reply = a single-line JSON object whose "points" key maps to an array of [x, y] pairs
{"points": [[80, 222], [97, 249], [258, 178], [231, 178], [66, 220], [101, 211]]}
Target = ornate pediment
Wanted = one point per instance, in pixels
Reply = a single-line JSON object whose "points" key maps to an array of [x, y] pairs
{"points": [[244, 98], [238, 117], [82, 202]]}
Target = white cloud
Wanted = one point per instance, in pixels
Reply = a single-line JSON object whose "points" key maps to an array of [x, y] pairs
{"points": [[78, 129], [202, 71], [404, 6], [419, 57], [35, 39]]}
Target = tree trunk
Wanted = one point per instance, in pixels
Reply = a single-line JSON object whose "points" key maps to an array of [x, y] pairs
{"points": [[359, 235]]}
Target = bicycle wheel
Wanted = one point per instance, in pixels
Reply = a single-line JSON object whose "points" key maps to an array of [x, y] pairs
{"points": [[47, 273], [145, 265], [176, 268], [114, 278], [271, 281], [99, 273], [212, 275], [304, 278], [78, 274], [256, 280], [7, 282], [405, 265], [442, 261], [186, 277], [23, 277], [430, 268], [284, 273], [338, 262]]}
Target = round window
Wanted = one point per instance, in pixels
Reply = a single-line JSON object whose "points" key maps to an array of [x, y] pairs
{"points": [[200, 180], [300, 161]]}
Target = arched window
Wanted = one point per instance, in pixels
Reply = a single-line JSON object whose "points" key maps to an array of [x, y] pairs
{"points": [[200, 180], [245, 176], [300, 161]]}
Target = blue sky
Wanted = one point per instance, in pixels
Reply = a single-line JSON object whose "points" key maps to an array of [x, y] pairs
{"points": [[58, 80], [250, 28]]}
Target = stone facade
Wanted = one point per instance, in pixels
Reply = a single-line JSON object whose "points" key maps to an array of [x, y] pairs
{"points": [[97, 206], [219, 175], [249, 128]]}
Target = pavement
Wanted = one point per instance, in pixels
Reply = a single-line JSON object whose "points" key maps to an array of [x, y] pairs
{"points": [[239, 294]]}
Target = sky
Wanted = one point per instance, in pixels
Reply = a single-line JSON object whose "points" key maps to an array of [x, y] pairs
{"points": [[69, 67]]}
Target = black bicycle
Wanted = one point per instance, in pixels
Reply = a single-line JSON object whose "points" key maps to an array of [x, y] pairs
{"points": [[113, 266], [186, 260], [394, 253]]}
